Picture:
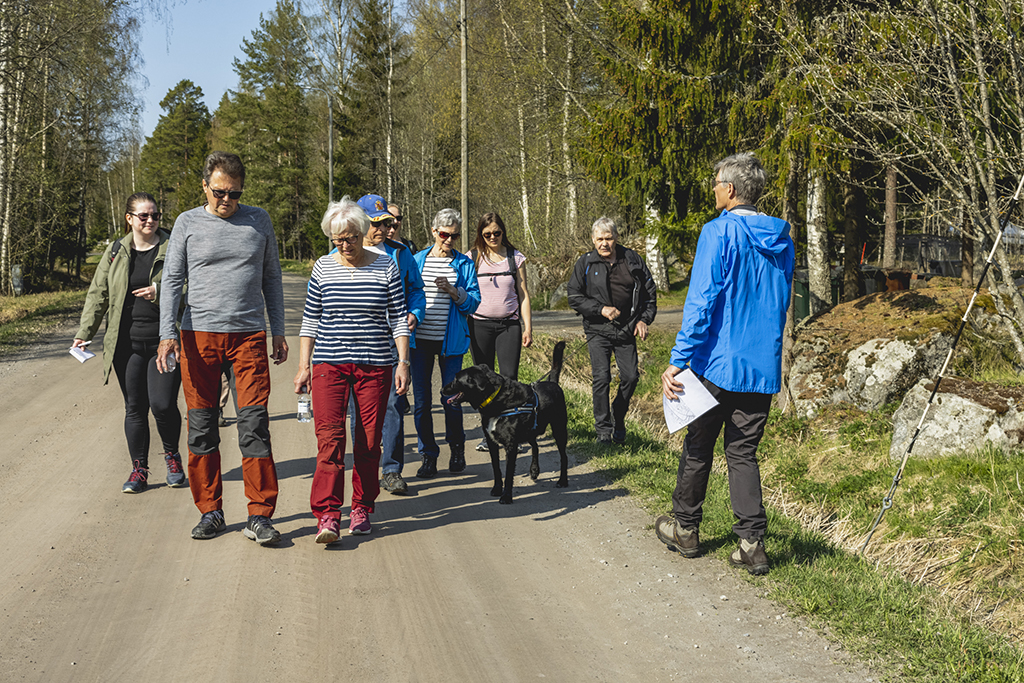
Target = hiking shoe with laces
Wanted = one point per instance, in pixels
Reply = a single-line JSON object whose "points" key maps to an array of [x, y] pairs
{"points": [[210, 524], [457, 462], [327, 530], [359, 524], [428, 470], [137, 480], [175, 474], [482, 447], [393, 483], [686, 542], [751, 556], [259, 529]]}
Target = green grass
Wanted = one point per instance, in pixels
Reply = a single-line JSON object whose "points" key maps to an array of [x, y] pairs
{"points": [[303, 268], [24, 318], [838, 467]]}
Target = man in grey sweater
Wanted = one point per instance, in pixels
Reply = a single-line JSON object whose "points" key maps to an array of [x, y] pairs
{"points": [[227, 252]]}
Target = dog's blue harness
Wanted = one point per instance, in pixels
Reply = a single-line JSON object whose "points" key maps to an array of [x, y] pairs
{"points": [[529, 408]]}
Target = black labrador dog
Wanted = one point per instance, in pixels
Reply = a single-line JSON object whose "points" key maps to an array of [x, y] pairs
{"points": [[512, 413]]}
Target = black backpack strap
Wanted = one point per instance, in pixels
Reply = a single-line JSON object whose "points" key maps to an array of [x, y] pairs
{"points": [[114, 248]]}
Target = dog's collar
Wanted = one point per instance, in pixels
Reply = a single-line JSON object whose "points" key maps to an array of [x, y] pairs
{"points": [[491, 397]]}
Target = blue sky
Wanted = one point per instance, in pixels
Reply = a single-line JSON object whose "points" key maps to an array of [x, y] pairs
{"points": [[197, 40]]}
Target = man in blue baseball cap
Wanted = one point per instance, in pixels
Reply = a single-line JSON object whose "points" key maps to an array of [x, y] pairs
{"points": [[392, 456]]}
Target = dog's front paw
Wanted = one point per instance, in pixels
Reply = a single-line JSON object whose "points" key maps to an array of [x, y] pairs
{"points": [[506, 499], [562, 483], [534, 471], [496, 491]]}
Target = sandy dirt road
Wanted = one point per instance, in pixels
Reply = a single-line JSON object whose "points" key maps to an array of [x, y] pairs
{"points": [[563, 585]]}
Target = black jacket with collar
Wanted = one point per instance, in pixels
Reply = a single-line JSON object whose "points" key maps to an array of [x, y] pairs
{"points": [[589, 292]]}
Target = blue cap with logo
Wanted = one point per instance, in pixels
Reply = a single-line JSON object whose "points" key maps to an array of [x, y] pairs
{"points": [[374, 206]]}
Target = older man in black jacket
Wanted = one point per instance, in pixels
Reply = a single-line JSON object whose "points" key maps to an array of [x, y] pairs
{"points": [[613, 290]]}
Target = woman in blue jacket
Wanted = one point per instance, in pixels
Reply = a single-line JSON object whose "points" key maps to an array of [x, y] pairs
{"points": [[452, 294]]}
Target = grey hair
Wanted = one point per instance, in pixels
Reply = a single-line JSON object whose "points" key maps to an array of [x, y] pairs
{"points": [[603, 225], [446, 218], [747, 175], [340, 216]]}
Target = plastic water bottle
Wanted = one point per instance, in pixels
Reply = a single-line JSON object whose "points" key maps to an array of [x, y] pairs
{"points": [[305, 413], [171, 363]]}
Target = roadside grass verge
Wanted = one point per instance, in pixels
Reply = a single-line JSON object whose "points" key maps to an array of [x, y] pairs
{"points": [[303, 268], [24, 318], [938, 597]]}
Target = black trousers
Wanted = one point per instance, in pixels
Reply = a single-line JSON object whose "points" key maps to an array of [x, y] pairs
{"points": [[502, 338], [744, 417], [144, 388], [601, 349]]}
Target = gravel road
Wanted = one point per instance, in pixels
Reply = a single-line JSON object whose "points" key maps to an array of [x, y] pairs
{"points": [[563, 585]]}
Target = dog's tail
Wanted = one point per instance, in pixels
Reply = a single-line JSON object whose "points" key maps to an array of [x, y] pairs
{"points": [[556, 363]]}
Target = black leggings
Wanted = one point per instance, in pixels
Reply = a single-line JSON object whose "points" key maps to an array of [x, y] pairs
{"points": [[504, 338], [143, 388]]}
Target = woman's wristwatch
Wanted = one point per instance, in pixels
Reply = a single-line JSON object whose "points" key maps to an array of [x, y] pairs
{"points": [[403, 361]]}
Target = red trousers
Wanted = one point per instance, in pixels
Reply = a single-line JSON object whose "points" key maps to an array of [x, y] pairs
{"points": [[369, 385], [203, 356]]}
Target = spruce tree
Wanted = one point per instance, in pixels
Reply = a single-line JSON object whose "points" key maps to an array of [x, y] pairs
{"points": [[171, 162]]}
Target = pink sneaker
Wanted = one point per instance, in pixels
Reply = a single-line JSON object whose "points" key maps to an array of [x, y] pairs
{"points": [[327, 530], [360, 522]]}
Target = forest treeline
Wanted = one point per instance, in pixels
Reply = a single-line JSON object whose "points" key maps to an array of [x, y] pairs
{"points": [[874, 117]]}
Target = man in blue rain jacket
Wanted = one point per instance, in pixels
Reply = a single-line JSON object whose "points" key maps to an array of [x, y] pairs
{"points": [[731, 338]]}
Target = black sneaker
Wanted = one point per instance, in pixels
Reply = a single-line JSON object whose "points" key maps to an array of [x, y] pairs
{"points": [[751, 556], [137, 480], [457, 462], [175, 474], [428, 470], [210, 524], [619, 437], [686, 542], [393, 483], [259, 529]]}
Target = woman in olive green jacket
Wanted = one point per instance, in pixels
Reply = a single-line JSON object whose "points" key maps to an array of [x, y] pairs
{"points": [[126, 291]]}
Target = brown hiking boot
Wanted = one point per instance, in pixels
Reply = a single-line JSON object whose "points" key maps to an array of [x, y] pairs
{"points": [[686, 542], [751, 556]]}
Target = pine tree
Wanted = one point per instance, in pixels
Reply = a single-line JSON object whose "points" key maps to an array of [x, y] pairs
{"points": [[378, 54], [268, 121], [172, 158]]}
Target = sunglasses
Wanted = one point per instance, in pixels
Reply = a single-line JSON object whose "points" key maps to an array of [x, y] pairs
{"points": [[146, 216], [492, 235], [398, 218], [230, 194], [445, 235], [386, 223]]}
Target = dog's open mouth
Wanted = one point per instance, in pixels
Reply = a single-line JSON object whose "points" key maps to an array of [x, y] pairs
{"points": [[455, 400]]}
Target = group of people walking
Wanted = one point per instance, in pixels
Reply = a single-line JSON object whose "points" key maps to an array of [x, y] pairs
{"points": [[379, 315]]}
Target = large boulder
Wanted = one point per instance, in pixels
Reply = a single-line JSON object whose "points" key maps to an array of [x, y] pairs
{"points": [[964, 416], [871, 351]]}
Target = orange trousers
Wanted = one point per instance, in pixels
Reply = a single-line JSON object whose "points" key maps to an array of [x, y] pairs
{"points": [[203, 356]]}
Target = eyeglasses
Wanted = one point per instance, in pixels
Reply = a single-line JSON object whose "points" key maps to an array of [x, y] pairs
{"points": [[230, 194], [445, 235], [492, 235], [351, 239], [715, 182], [146, 216]]}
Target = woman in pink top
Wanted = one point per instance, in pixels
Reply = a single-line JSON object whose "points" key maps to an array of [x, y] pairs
{"points": [[501, 325]]}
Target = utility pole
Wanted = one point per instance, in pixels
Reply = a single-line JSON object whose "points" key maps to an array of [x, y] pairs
{"points": [[465, 129]]}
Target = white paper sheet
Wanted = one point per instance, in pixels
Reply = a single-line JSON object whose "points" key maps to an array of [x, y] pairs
{"points": [[693, 402], [81, 353]]}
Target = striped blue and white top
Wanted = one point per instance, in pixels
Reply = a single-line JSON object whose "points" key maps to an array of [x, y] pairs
{"points": [[348, 311], [435, 318]]}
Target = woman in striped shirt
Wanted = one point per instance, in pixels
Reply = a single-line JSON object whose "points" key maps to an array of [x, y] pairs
{"points": [[354, 305], [452, 294]]}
